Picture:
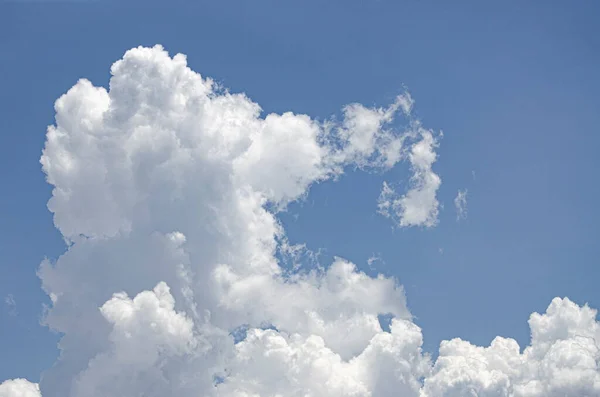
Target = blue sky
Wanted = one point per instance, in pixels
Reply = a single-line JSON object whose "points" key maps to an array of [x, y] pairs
{"points": [[513, 85]]}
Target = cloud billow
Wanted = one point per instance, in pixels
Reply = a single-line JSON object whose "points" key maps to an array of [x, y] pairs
{"points": [[165, 188]]}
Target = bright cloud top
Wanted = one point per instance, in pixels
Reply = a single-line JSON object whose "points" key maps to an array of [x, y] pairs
{"points": [[161, 186]]}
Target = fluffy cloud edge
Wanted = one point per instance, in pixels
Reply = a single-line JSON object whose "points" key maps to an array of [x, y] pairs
{"points": [[419, 206], [19, 388], [561, 359]]}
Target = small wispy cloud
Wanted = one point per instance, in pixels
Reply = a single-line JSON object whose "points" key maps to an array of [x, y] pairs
{"points": [[419, 206], [11, 304], [374, 260], [460, 203]]}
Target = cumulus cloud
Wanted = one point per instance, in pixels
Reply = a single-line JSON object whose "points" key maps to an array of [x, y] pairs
{"points": [[19, 388], [562, 360], [166, 177], [419, 206], [275, 363], [166, 189], [460, 204]]}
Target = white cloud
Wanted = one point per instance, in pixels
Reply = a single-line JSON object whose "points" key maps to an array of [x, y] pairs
{"points": [[419, 206], [164, 178], [460, 204], [148, 337], [274, 363], [19, 388], [163, 182], [365, 142], [562, 360]]}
